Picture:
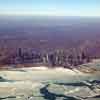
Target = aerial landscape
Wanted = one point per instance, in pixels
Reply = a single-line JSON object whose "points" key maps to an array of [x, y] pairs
{"points": [[49, 50]]}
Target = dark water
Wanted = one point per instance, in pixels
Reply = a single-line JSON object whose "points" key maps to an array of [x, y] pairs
{"points": [[52, 96], [48, 95]]}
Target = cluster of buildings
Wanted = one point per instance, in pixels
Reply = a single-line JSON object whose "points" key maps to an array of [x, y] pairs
{"points": [[50, 58]]}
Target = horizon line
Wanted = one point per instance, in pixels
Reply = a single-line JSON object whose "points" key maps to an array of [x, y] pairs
{"points": [[48, 15]]}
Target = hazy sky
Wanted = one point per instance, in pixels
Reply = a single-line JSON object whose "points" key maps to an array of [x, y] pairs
{"points": [[51, 7]]}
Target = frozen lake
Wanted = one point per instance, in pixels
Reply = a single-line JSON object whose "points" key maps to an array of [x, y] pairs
{"points": [[49, 84]]}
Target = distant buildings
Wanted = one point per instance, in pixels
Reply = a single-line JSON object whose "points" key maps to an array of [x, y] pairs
{"points": [[50, 58]]}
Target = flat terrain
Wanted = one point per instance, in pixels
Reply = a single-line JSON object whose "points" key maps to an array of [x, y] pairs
{"points": [[41, 83]]}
